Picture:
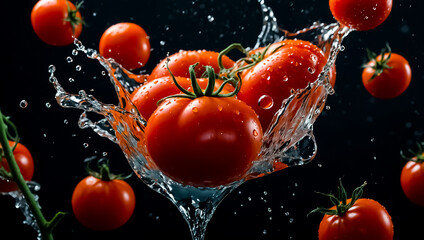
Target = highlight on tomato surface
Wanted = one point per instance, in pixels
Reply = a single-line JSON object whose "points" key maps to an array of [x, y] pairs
{"points": [[57, 22], [204, 138], [25, 163], [387, 75], [103, 201], [361, 15], [412, 177], [354, 218], [127, 43]]}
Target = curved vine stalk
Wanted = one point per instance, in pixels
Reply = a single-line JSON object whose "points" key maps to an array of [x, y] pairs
{"points": [[9, 131]]}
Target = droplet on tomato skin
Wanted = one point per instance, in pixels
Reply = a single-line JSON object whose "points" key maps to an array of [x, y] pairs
{"points": [[219, 108], [311, 70], [255, 132], [195, 109], [265, 102]]}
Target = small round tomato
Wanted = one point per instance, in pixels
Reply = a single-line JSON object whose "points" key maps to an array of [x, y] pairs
{"points": [[127, 43], [361, 15], [412, 180], [103, 203], [287, 65], [145, 97], [366, 220], [180, 62], [203, 138], [386, 76], [56, 22], [25, 162]]}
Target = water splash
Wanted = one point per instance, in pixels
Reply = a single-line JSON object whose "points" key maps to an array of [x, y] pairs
{"points": [[289, 141]]}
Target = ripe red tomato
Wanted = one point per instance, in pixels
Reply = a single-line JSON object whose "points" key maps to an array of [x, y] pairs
{"points": [[25, 162], [387, 77], [287, 65], [103, 204], [180, 62], [145, 97], [366, 220], [127, 43], [361, 15], [412, 181], [56, 22], [205, 142]]}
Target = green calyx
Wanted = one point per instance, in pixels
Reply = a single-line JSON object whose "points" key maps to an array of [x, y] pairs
{"points": [[72, 17], [341, 200], [381, 65], [417, 156], [104, 172], [209, 91]]}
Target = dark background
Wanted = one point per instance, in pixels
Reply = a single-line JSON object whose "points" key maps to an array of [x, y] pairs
{"points": [[359, 138]]}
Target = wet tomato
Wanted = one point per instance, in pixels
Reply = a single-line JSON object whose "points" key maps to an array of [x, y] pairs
{"points": [[180, 62], [145, 98], [287, 65], [204, 138], [127, 43], [387, 75], [56, 22], [103, 204], [361, 15], [25, 162], [412, 180]]}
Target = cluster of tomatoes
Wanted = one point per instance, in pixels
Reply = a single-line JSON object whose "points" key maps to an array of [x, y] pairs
{"points": [[206, 113]]}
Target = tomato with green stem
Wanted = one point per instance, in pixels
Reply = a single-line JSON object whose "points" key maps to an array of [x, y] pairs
{"points": [[412, 177], [204, 138], [127, 43], [57, 22], [270, 74], [354, 218], [25, 163], [361, 15], [179, 63], [387, 75], [103, 201]]}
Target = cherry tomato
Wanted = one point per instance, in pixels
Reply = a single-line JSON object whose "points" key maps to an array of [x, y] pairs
{"points": [[145, 98], [386, 77], [127, 43], [25, 162], [103, 204], [366, 220], [179, 63], [361, 15], [412, 181], [56, 22], [286, 66]]}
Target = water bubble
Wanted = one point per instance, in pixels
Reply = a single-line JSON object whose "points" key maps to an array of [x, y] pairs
{"points": [[265, 102], [210, 18], [78, 68], [23, 104], [69, 59]]}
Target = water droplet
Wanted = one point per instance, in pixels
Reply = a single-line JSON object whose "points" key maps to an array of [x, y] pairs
{"points": [[264, 232], [94, 14], [269, 209], [162, 43], [265, 102], [285, 79], [104, 154], [255, 133], [48, 105], [69, 59], [52, 69], [342, 48], [23, 104], [85, 145], [195, 109], [78, 68], [71, 79], [291, 220], [74, 52], [287, 213], [311, 70], [65, 121], [327, 107], [103, 73], [219, 108], [210, 18]]}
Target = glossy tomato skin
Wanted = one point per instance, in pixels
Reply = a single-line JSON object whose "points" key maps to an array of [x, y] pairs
{"points": [[145, 97], [180, 62], [365, 220], [25, 162], [361, 15], [103, 205], [48, 21], [392, 82], [412, 182], [205, 142], [127, 43], [268, 83]]}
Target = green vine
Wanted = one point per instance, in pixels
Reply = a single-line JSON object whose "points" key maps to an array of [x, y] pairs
{"points": [[9, 131], [417, 156], [381, 65]]}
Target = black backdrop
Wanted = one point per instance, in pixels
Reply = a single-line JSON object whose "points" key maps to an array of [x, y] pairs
{"points": [[359, 137]]}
